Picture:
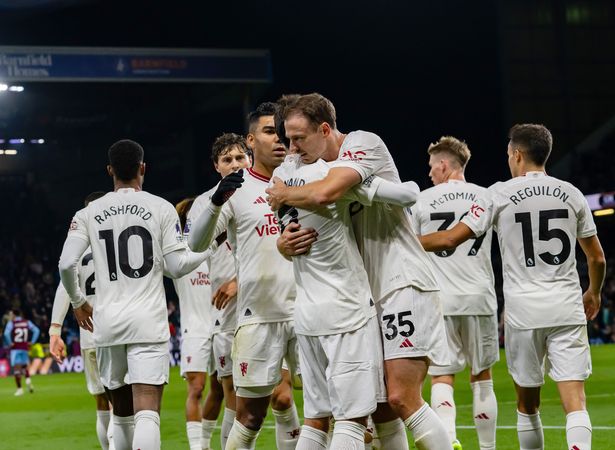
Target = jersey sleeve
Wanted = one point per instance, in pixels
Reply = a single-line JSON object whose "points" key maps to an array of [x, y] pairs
{"points": [[78, 225], [7, 333], [363, 192], [61, 302], [172, 237], [480, 216], [365, 155], [415, 217], [586, 226], [36, 332]]}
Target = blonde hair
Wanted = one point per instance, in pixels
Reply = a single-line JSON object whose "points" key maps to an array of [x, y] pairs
{"points": [[453, 147]]}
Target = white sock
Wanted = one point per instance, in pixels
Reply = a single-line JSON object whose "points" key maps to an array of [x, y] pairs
{"points": [[485, 412], [147, 431], [110, 431], [312, 439], [287, 428], [428, 431], [392, 434], [227, 424], [102, 423], [28, 381], [529, 430], [193, 431], [123, 431], [348, 435], [371, 428], [241, 437], [443, 403], [207, 430], [579, 430]]}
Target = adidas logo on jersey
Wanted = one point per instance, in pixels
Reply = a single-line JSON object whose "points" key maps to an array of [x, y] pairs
{"points": [[371, 302], [406, 344], [248, 312], [259, 200], [217, 324]]}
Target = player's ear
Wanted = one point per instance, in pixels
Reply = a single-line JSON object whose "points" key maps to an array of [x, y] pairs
{"points": [[110, 170], [216, 167], [142, 169], [326, 129]]}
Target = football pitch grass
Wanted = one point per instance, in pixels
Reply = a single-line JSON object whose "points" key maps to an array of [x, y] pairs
{"points": [[61, 414]]}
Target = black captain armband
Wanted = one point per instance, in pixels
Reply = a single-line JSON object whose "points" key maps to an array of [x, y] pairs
{"points": [[287, 215]]}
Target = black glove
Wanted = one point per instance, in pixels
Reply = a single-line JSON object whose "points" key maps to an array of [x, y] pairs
{"points": [[227, 187]]}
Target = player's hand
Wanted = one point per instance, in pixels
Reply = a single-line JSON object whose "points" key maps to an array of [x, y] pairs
{"points": [[57, 348], [275, 193], [591, 303], [83, 314], [225, 293], [227, 187], [295, 240]]}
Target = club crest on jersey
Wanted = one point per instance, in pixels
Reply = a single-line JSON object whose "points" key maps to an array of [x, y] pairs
{"points": [[353, 156], [222, 360], [243, 366]]}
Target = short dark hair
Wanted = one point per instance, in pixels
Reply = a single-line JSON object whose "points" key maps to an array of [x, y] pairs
{"points": [[225, 143], [315, 107], [283, 102], [125, 157], [93, 196], [264, 109], [17, 311], [182, 209], [535, 140]]}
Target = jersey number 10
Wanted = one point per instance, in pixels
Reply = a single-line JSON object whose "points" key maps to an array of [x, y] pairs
{"points": [[122, 245]]}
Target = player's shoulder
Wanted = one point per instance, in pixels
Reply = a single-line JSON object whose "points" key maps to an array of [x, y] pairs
{"points": [[362, 138]]}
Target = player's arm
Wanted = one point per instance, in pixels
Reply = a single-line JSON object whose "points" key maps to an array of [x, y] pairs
{"points": [[183, 261], [446, 239], [61, 302], [69, 259], [596, 263], [36, 332], [295, 240], [312, 195], [376, 189], [7, 333]]}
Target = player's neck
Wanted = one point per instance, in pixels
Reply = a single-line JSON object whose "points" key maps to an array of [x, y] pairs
{"points": [[333, 145], [262, 169], [132, 184], [526, 168], [456, 175]]}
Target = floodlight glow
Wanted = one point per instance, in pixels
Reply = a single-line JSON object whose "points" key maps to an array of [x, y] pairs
{"points": [[604, 212], [1, 152], [16, 141], [10, 152], [2, 141], [37, 141], [16, 88], [4, 87]]}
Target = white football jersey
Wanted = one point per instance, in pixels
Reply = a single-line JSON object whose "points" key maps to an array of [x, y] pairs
{"points": [[538, 219], [221, 268], [464, 274], [86, 277], [194, 292], [129, 232], [333, 293], [266, 291], [392, 254]]}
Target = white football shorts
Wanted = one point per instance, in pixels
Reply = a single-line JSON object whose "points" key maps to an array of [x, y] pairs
{"points": [[196, 355], [133, 363], [92, 375], [222, 346], [473, 341], [562, 351]]}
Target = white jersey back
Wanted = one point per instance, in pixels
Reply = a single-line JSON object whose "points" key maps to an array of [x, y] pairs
{"points": [[538, 219], [130, 232], [221, 268], [266, 291], [87, 284], [464, 274], [392, 254], [333, 294], [194, 292]]}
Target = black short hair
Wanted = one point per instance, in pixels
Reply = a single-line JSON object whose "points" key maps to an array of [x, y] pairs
{"points": [[535, 139], [93, 196], [225, 143], [264, 109], [125, 157], [17, 311]]}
